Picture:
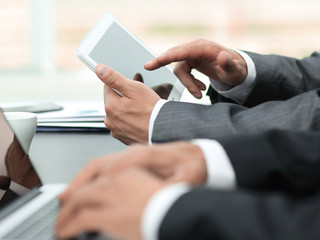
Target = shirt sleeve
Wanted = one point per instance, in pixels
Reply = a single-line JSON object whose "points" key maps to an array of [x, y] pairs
{"points": [[220, 175], [220, 171], [240, 92], [153, 117], [157, 208]]}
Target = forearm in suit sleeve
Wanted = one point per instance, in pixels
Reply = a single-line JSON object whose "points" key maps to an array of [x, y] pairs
{"points": [[276, 160], [185, 121], [279, 78], [205, 214]]}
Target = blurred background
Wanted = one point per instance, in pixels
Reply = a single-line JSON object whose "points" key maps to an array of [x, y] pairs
{"points": [[39, 37]]}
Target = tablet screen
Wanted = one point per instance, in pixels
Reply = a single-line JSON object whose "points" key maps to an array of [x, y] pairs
{"points": [[123, 53]]}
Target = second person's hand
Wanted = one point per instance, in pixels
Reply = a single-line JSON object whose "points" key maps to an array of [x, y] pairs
{"points": [[171, 162], [209, 58]]}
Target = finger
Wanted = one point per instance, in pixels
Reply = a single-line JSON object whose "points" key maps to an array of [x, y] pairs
{"points": [[174, 54], [183, 72], [86, 196], [199, 49], [194, 173], [125, 140], [200, 84], [110, 96], [166, 58], [111, 100], [105, 165], [226, 62], [89, 172], [114, 79], [138, 77], [82, 178], [232, 71], [180, 175], [163, 90], [87, 220]]}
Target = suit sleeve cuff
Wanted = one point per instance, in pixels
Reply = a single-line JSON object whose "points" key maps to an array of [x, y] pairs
{"points": [[157, 208], [153, 117], [219, 168], [240, 92]]}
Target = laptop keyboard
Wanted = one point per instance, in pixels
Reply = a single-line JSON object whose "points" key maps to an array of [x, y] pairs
{"points": [[38, 226]]}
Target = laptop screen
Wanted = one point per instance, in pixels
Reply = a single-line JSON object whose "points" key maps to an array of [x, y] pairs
{"points": [[17, 175]]}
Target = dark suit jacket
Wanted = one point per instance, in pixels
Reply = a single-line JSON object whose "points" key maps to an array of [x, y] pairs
{"points": [[7, 198], [286, 87], [278, 174], [280, 78]]}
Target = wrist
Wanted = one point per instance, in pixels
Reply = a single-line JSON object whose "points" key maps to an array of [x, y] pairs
{"points": [[241, 61], [200, 165], [157, 208], [220, 172], [238, 93]]}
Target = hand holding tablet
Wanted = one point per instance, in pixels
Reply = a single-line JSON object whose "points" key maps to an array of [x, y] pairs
{"points": [[112, 44]]}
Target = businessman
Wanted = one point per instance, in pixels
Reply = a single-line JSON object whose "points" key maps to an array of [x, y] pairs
{"points": [[251, 93], [156, 189], [158, 192]]}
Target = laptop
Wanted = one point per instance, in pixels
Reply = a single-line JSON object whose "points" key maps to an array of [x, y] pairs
{"points": [[28, 208], [23, 198]]}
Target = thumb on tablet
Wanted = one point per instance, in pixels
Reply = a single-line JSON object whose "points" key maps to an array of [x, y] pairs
{"points": [[113, 79]]}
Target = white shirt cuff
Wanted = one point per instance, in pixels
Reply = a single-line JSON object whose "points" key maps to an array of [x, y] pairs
{"points": [[157, 208], [240, 92], [153, 117], [18, 189], [220, 171]]}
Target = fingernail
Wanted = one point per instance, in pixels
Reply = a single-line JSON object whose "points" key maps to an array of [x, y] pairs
{"points": [[197, 95], [101, 70], [148, 63]]}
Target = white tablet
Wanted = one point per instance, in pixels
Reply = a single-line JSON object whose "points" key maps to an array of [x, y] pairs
{"points": [[112, 44]]}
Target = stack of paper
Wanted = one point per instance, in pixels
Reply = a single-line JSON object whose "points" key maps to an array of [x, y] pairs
{"points": [[74, 117]]}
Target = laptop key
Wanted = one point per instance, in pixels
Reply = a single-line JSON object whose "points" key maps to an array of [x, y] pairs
{"points": [[39, 225]]}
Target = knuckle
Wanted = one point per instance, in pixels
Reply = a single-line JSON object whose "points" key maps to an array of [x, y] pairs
{"points": [[116, 135], [150, 152], [113, 78], [107, 123], [138, 148], [200, 41], [108, 108], [113, 134], [179, 68], [82, 219], [176, 70]]}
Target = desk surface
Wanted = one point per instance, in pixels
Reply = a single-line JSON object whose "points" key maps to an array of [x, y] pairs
{"points": [[57, 157]]}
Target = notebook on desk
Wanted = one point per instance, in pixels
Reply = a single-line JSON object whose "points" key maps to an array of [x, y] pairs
{"points": [[28, 208]]}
